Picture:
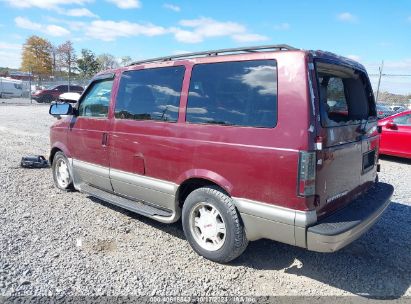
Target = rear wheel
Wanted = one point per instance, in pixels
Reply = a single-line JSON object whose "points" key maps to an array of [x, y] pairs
{"points": [[213, 226], [61, 172]]}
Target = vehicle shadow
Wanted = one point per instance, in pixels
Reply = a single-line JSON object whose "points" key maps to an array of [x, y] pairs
{"points": [[174, 229], [378, 265], [396, 159]]}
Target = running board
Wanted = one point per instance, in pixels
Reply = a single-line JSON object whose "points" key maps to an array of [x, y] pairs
{"points": [[134, 206]]}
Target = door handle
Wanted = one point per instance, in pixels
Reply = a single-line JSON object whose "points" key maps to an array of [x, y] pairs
{"points": [[104, 139]]}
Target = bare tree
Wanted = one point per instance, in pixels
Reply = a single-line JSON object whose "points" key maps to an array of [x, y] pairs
{"points": [[126, 60], [54, 63], [107, 61], [67, 58]]}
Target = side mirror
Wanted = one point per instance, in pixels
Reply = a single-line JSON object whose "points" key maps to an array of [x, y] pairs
{"points": [[391, 125], [58, 109]]}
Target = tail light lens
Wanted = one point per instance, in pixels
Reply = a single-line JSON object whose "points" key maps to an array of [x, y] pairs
{"points": [[306, 173]]}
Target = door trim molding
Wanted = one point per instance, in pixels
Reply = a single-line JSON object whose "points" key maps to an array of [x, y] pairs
{"points": [[144, 181]]}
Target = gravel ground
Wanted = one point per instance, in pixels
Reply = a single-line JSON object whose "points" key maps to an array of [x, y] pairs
{"points": [[56, 243]]}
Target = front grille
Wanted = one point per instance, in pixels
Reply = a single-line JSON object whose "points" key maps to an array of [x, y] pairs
{"points": [[368, 160]]}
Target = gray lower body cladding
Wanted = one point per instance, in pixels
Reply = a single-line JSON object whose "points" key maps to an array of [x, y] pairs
{"points": [[346, 225], [261, 220]]}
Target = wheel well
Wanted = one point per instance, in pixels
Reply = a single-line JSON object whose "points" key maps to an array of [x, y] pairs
{"points": [[192, 184], [52, 153]]}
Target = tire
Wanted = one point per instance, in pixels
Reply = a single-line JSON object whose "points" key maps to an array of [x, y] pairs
{"points": [[47, 98], [205, 211], [61, 172]]}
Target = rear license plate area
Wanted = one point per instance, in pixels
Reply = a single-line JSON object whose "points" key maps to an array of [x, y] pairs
{"points": [[368, 161]]}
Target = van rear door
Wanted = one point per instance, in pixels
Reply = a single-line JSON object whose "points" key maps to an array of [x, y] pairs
{"points": [[346, 164]]}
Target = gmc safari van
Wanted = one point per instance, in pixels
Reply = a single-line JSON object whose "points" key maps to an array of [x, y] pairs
{"points": [[242, 144]]}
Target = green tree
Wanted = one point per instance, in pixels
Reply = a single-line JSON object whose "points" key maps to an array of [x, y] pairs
{"points": [[36, 56], [87, 64]]}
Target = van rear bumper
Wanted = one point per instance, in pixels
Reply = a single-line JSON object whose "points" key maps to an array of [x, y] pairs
{"points": [[346, 225]]}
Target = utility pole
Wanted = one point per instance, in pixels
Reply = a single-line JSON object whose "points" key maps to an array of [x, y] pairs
{"points": [[30, 74], [69, 73], [379, 79]]}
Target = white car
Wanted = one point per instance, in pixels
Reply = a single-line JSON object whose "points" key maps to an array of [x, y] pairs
{"points": [[71, 97]]}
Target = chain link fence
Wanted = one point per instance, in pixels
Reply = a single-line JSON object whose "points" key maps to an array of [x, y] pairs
{"points": [[53, 82], [29, 87], [391, 89]]}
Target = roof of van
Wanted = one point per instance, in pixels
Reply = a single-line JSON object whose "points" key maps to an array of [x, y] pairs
{"points": [[249, 50], [8, 79]]}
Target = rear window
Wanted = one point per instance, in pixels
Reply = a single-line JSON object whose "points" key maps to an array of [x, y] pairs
{"points": [[345, 95], [242, 93]]}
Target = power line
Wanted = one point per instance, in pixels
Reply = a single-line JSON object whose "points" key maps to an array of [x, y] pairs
{"points": [[391, 75]]}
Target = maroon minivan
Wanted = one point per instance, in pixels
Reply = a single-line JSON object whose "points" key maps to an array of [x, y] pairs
{"points": [[248, 143]]}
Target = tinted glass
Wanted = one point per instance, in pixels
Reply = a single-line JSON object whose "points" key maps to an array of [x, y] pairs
{"points": [[97, 100], [403, 120], [242, 93], [77, 88], [150, 94]]}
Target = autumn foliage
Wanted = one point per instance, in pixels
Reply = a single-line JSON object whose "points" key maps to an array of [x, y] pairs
{"points": [[36, 56]]}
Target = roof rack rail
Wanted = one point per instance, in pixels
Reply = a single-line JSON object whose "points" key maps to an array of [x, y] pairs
{"points": [[250, 49]]}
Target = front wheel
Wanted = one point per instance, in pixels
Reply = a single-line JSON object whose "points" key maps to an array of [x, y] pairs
{"points": [[47, 99], [61, 172], [213, 226]]}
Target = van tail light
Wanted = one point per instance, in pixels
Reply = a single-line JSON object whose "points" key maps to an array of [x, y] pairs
{"points": [[306, 173], [319, 143]]}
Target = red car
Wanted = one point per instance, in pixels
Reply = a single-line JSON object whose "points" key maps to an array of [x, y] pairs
{"points": [[396, 135], [241, 144], [53, 93]]}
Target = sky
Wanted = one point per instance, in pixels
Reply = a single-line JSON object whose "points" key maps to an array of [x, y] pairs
{"points": [[366, 31]]}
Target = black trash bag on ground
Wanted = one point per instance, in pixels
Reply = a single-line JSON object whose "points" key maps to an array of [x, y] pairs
{"points": [[34, 161]]}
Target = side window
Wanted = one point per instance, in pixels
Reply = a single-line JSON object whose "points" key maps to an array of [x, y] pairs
{"points": [[62, 88], [242, 93], [150, 94], [97, 100], [403, 120]]}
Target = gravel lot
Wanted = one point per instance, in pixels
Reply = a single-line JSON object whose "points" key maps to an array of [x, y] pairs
{"points": [[56, 243]]}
